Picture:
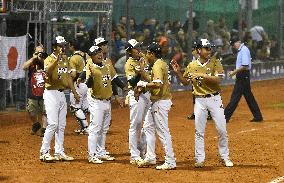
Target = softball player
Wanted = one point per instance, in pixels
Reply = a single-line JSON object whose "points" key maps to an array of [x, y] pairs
{"points": [[157, 116], [116, 82], [56, 67], [77, 63], [138, 108], [99, 95], [205, 74]]}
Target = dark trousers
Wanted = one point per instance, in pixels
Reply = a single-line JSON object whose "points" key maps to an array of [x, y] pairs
{"points": [[242, 87]]}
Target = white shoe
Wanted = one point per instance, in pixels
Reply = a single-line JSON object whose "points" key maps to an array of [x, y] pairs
{"points": [[95, 160], [107, 153], [146, 162], [228, 163], [199, 164], [166, 166], [136, 161], [106, 157], [62, 157], [46, 158]]}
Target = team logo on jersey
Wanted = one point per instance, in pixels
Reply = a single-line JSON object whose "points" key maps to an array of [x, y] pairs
{"points": [[62, 70], [105, 79]]}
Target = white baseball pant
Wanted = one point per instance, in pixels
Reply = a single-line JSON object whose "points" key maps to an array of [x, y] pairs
{"points": [[215, 106], [100, 115], [56, 111], [138, 110], [157, 118]]}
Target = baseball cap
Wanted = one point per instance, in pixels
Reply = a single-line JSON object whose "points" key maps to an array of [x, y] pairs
{"points": [[100, 41], [155, 48], [132, 43], [94, 50], [59, 40], [203, 43], [234, 39]]}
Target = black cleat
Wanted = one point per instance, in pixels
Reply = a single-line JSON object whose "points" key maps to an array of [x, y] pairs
{"points": [[191, 117]]}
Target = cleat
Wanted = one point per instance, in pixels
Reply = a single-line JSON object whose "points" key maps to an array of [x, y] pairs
{"points": [[146, 162], [62, 157], [166, 166], [46, 158], [95, 160], [199, 164], [228, 163], [191, 117], [107, 158], [136, 161]]}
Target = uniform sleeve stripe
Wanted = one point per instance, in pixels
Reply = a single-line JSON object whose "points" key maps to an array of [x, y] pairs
{"points": [[157, 81]]}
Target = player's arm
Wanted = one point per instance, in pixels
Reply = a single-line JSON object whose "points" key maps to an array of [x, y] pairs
{"points": [[218, 74], [73, 70], [157, 82], [177, 71], [71, 86], [50, 64]]}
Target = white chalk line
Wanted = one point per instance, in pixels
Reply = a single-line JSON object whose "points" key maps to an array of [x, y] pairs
{"points": [[277, 180], [250, 130]]}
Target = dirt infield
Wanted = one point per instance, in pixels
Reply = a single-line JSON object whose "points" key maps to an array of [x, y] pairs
{"points": [[257, 149]]}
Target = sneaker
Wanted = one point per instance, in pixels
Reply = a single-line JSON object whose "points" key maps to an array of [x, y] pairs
{"points": [[107, 153], [166, 166], [62, 157], [95, 160], [136, 161], [107, 158], [46, 158], [199, 164], [35, 127], [146, 162], [228, 163]]}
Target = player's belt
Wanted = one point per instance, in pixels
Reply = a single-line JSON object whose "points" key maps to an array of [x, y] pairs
{"points": [[103, 99], [207, 95]]}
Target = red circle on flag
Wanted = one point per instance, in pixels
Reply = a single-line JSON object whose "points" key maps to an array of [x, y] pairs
{"points": [[12, 58]]}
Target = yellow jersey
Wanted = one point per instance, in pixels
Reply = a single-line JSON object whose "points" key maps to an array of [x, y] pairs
{"points": [[212, 67], [77, 62], [130, 68], [160, 73], [59, 77], [102, 77]]}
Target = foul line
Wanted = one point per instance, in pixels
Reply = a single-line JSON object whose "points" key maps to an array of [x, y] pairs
{"points": [[250, 130], [277, 180]]}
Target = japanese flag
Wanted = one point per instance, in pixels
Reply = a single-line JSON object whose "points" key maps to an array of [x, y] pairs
{"points": [[12, 57]]}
